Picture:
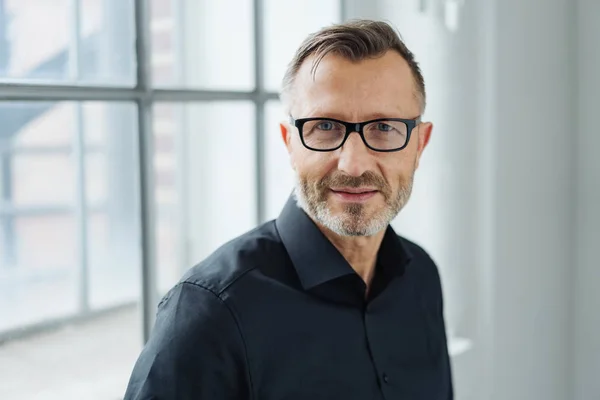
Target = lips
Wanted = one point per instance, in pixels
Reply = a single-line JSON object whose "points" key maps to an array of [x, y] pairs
{"points": [[355, 195], [354, 190]]}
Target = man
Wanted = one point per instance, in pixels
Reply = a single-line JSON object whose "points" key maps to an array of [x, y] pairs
{"points": [[325, 302]]}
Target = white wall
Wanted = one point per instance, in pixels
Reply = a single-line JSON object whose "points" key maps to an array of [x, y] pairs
{"points": [[534, 198], [586, 294], [503, 101]]}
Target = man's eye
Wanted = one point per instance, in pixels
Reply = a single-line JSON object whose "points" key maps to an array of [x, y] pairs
{"points": [[384, 127], [325, 126]]}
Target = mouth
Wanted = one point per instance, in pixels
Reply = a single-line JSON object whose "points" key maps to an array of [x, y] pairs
{"points": [[355, 195]]}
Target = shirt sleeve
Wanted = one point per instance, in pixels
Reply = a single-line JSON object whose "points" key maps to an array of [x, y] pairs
{"points": [[195, 351]]}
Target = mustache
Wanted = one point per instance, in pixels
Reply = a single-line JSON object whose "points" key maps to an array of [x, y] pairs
{"points": [[368, 178]]}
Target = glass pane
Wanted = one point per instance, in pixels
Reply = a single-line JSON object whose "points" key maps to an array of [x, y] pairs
{"points": [[45, 269], [205, 181], [37, 220], [192, 46], [287, 23], [168, 126], [34, 39], [279, 173], [3, 255], [114, 261], [44, 281], [37, 176], [107, 42], [39, 42], [96, 169], [32, 120]]}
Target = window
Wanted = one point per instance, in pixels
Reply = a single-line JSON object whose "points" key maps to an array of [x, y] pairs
{"points": [[205, 181], [279, 174], [286, 24], [70, 234], [128, 153], [59, 41], [203, 44]]}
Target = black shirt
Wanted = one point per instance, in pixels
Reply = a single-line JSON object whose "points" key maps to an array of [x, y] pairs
{"points": [[278, 313]]}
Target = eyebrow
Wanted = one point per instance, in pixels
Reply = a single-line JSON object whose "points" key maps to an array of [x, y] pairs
{"points": [[369, 117]]}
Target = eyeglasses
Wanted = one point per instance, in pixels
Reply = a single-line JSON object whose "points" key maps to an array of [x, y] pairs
{"points": [[327, 134]]}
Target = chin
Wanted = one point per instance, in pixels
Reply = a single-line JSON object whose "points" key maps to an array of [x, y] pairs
{"points": [[368, 208], [348, 225]]}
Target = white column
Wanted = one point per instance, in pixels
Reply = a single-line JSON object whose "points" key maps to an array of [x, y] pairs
{"points": [[533, 142], [586, 294]]}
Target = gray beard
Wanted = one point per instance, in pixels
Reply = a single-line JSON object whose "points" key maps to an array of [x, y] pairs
{"points": [[352, 221]]}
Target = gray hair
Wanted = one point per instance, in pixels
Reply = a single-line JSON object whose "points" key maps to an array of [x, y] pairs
{"points": [[354, 40]]}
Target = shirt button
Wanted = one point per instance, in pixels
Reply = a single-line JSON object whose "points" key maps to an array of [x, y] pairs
{"points": [[385, 378]]}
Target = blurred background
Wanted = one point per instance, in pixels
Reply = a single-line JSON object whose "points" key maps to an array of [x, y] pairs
{"points": [[137, 136]]}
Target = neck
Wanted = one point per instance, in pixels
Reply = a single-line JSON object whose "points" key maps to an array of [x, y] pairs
{"points": [[359, 251]]}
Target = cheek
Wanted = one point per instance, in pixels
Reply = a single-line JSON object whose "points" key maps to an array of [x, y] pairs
{"points": [[313, 165], [398, 170]]}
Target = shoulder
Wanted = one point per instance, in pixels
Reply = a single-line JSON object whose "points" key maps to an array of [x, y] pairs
{"points": [[422, 267], [418, 254], [233, 260], [195, 346]]}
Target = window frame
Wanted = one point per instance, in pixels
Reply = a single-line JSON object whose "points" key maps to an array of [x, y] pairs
{"points": [[145, 96]]}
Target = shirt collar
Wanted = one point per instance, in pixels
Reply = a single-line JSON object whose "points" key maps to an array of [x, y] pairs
{"points": [[316, 259]]}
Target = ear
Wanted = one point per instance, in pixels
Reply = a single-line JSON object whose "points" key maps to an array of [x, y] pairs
{"points": [[286, 135], [423, 131]]}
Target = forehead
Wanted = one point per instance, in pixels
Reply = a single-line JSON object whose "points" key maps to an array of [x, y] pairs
{"points": [[356, 90]]}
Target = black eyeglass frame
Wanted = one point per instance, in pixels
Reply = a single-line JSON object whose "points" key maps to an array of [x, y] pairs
{"points": [[355, 127]]}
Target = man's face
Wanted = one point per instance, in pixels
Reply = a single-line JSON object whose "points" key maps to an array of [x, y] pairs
{"points": [[355, 191]]}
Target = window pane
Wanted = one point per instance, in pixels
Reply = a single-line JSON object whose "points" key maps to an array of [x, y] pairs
{"points": [[107, 42], [279, 173], [32, 120], [43, 279], [286, 24], [37, 176], [3, 246], [38, 41], [36, 214], [45, 269], [205, 181], [168, 126], [192, 46], [96, 169], [114, 261], [35, 39]]}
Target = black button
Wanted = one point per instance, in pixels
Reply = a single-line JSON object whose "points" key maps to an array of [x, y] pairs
{"points": [[385, 378]]}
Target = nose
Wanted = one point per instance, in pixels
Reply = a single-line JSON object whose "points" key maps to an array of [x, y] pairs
{"points": [[355, 157]]}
